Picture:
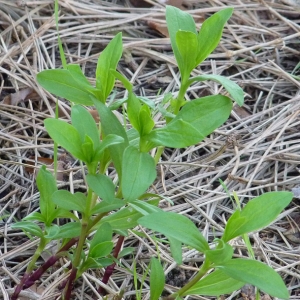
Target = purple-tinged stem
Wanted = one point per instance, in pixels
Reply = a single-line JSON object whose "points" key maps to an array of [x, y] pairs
{"points": [[62, 285], [109, 270], [49, 263], [69, 286], [19, 287]]}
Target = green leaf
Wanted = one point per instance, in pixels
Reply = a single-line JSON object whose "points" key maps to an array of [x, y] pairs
{"points": [[68, 230], [176, 134], [101, 249], [150, 103], [87, 149], [231, 87], [258, 213], [92, 263], [126, 251], [257, 274], [127, 84], [133, 110], [63, 213], [221, 254], [77, 74], [210, 33], [102, 185], [205, 114], [52, 231], [215, 284], [111, 125], [157, 279], [144, 207], [104, 206], [126, 218], [84, 123], [29, 227], [196, 120], [69, 201], [35, 216], [108, 141], [103, 234], [65, 135], [46, 184], [108, 61], [138, 173], [63, 84], [176, 250], [146, 122], [187, 44], [176, 226], [178, 20]]}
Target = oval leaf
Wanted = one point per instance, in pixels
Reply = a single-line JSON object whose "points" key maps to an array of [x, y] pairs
{"points": [[46, 184], [102, 185], [210, 33], [65, 135], [215, 284], [138, 173], [101, 249], [176, 226], [62, 84], [108, 60], [178, 20], [83, 121], [257, 274], [177, 134], [206, 114], [258, 213], [29, 227], [69, 201], [68, 230], [231, 87], [157, 279]]}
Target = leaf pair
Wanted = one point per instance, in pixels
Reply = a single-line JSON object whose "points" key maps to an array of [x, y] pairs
{"points": [[71, 84], [193, 123], [82, 138], [191, 48], [231, 274]]}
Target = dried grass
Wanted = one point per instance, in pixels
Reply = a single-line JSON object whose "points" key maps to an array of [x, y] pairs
{"points": [[259, 50]]}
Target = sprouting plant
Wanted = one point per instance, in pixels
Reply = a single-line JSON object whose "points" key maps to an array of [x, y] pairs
{"points": [[110, 208]]}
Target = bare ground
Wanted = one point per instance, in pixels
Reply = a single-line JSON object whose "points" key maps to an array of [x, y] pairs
{"points": [[259, 50]]}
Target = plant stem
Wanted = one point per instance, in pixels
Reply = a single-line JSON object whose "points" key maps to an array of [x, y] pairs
{"points": [[19, 287], [29, 269], [203, 270], [158, 154], [49, 263], [180, 97], [69, 287], [109, 270]]}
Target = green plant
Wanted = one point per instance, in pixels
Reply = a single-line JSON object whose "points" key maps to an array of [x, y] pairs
{"points": [[108, 207]]}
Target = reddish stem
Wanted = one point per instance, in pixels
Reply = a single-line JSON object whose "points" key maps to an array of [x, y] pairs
{"points": [[49, 263], [19, 287], [70, 284], [109, 270]]}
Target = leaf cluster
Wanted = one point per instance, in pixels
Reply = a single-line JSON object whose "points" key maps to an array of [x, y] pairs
{"points": [[111, 208]]}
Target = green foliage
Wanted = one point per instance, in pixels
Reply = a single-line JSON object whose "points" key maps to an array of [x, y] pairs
{"points": [[108, 61], [47, 186], [110, 208], [138, 173], [157, 279], [177, 227], [257, 213], [215, 284], [257, 274]]}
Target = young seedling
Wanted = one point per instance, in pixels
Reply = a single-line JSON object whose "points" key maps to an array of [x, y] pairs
{"points": [[110, 208]]}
